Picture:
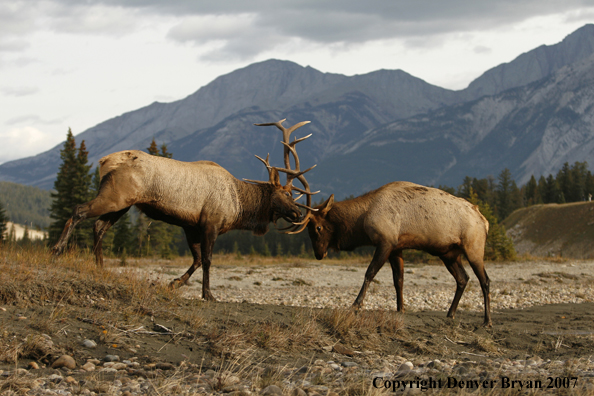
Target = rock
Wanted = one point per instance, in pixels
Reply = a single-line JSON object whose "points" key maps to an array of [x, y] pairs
{"points": [[89, 344], [111, 358], [404, 369], [55, 378], [349, 364], [338, 348], [298, 392], [33, 366], [165, 366], [70, 380], [272, 390], [94, 361], [335, 366], [436, 364], [88, 366], [64, 361], [119, 366]]}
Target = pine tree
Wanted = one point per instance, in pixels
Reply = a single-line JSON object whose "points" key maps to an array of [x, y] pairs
{"points": [[62, 204], [164, 152], [498, 245], [153, 149], [71, 188], [565, 181], [3, 224], [11, 234], [123, 240], [26, 240], [532, 197], [504, 194]]}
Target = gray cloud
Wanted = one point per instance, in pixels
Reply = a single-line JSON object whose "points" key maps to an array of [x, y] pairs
{"points": [[31, 119], [242, 29], [19, 91]]}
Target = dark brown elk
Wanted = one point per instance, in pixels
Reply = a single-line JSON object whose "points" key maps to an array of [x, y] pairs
{"points": [[201, 197], [399, 216]]}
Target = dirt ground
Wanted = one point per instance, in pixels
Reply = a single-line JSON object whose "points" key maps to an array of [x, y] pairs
{"points": [[155, 327]]}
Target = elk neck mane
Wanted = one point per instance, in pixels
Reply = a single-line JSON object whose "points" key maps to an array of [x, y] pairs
{"points": [[254, 207]]}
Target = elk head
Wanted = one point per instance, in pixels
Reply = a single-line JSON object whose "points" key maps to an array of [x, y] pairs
{"points": [[320, 229], [282, 196]]}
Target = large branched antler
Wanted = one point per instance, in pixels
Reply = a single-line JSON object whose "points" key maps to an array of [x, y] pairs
{"points": [[297, 173]]}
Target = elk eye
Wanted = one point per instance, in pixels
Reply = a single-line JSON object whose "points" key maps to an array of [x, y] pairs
{"points": [[319, 228]]}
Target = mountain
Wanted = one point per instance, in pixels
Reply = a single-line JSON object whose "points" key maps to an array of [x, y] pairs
{"points": [[532, 129], [534, 65], [270, 86], [368, 129]]}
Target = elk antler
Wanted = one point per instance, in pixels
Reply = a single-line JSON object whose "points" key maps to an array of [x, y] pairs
{"points": [[267, 164], [296, 173]]}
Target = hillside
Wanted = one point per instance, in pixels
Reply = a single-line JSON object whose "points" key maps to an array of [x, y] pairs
{"points": [[554, 230], [531, 130], [26, 204]]}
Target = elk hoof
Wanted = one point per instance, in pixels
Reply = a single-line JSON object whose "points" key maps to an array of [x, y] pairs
{"points": [[177, 283], [488, 324], [208, 297]]}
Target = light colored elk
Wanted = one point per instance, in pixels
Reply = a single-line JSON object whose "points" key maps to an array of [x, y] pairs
{"points": [[201, 197], [399, 216]]}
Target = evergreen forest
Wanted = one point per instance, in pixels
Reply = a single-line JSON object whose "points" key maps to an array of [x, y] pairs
{"points": [[137, 235]]}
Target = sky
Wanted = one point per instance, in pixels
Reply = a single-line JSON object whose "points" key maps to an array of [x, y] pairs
{"points": [[74, 63]]}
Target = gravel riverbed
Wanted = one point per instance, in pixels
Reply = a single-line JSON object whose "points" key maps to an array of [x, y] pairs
{"points": [[428, 289]]}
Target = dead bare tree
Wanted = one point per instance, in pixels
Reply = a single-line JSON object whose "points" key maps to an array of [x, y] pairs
{"points": [[201, 197], [399, 216]]}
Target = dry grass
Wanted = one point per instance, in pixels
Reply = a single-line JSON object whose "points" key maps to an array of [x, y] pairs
{"points": [[366, 327]]}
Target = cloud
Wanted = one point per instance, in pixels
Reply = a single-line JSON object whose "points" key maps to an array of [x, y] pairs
{"points": [[24, 142], [19, 91], [31, 119], [243, 29]]}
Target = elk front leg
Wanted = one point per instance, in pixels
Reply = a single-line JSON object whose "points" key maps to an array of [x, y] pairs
{"points": [[101, 226], [379, 258], [206, 246], [79, 214], [193, 239], [397, 264]]}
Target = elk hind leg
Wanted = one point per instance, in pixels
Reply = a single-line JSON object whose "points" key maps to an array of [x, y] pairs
{"points": [[101, 226], [478, 267], [207, 241], [193, 239], [379, 259], [397, 263], [102, 204], [453, 262]]}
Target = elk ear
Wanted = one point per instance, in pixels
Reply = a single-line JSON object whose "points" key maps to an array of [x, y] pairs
{"points": [[275, 178], [327, 205]]}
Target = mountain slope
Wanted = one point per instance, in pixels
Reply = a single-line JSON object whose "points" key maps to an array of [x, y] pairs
{"points": [[267, 86], [534, 65], [532, 129]]}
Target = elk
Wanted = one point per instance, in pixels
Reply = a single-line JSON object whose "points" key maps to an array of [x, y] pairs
{"points": [[201, 197], [399, 216]]}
